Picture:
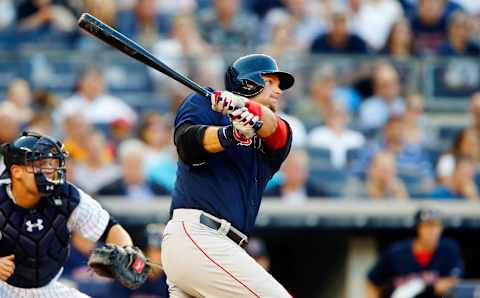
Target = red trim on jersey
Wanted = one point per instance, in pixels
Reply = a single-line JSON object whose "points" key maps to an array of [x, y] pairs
{"points": [[218, 265], [279, 137], [254, 108], [423, 257]]}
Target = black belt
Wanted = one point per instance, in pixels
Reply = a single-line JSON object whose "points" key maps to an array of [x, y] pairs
{"points": [[212, 223]]}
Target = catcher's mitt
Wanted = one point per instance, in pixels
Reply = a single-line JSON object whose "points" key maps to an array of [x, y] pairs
{"points": [[126, 264]]}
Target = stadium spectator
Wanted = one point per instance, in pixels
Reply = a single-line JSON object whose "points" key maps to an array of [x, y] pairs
{"points": [[44, 24], [338, 39], [305, 26], [98, 169], [144, 22], [417, 128], [461, 185], [185, 51], [382, 181], [283, 42], [8, 15], [335, 135], [458, 42], [257, 249], [386, 100], [44, 100], [90, 99], [466, 144], [411, 159], [42, 122], [295, 187], [378, 14], [425, 266], [19, 99], [429, 25], [132, 183], [156, 133], [323, 90], [226, 26], [474, 111], [10, 124], [399, 43], [105, 11], [75, 131], [156, 285]]}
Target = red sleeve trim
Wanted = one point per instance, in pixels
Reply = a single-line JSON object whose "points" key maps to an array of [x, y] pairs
{"points": [[254, 108], [279, 137]]}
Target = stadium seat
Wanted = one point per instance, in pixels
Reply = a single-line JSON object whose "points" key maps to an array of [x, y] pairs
{"points": [[330, 180], [319, 158]]}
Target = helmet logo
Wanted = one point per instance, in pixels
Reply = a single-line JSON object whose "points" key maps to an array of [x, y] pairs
{"points": [[38, 225], [249, 86]]}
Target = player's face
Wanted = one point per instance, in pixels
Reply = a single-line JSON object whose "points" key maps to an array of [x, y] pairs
{"points": [[429, 233], [270, 94], [24, 178]]}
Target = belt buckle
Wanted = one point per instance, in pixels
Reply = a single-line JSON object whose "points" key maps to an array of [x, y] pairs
{"points": [[243, 243]]}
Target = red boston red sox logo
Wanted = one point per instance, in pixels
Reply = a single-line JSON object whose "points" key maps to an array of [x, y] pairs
{"points": [[138, 265]]}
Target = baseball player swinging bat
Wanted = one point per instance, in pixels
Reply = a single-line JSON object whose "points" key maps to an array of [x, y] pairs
{"points": [[119, 41]]}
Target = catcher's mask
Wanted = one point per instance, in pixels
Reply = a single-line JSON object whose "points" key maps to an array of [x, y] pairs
{"points": [[43, 156], [244, 76]]}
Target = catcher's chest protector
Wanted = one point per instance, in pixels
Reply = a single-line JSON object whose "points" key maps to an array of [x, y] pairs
{"points": [[38, 237]]}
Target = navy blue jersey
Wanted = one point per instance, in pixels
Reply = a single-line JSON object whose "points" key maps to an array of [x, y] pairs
{"points": [[398, 265], [230, 184]]}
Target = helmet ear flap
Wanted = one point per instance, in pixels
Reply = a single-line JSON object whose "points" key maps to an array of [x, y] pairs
{"points": [[232, 83]]}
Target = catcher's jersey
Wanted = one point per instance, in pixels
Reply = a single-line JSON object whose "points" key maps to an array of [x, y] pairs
{"points": [[398, 265], [39, 236], [230, 183]]}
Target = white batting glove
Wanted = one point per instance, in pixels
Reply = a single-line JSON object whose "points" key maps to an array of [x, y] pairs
{"points": [[226, 102], [245, 122]]}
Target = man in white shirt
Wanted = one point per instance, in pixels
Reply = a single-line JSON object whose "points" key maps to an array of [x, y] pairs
{"points": [[335, 135], [91, 101]]}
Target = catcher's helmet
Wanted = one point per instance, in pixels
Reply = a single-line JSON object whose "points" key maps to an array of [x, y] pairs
{"points": [[44, 154], [244, 76]]}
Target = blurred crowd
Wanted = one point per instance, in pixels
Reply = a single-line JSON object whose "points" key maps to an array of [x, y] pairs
{"points": [[361, 134]]}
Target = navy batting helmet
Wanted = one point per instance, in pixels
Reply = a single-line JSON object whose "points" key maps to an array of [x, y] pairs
{"points": [[244, 76], [427, 215], [46, 156]]}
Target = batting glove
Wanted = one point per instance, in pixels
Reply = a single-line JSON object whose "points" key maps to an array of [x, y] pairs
{"points": [[226, 102], [245, 122]]}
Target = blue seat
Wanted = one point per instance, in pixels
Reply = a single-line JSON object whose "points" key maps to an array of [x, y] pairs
{"points": [[330, 180], [413, 183], [319, 158], [57, 73]]}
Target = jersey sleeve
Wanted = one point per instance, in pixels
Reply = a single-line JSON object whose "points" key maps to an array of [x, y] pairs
{"points": [[275, 158], [196, 109], [88, 218], [381, 272]]}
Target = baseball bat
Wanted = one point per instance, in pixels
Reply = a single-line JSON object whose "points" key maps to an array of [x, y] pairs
{"points": [[119, 41]]}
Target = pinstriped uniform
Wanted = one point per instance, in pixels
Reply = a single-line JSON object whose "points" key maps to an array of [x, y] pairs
{"points": [[88, 219]]}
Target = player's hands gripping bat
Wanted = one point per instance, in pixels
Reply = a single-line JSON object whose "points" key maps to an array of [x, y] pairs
{"points": [[245, 122], [226, 102], [126, 264]]}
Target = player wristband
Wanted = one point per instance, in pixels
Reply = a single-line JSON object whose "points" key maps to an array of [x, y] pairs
{"points": [[226, 137]]}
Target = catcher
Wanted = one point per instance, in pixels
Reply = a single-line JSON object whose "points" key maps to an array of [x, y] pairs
{"points": [[39, 210]]}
